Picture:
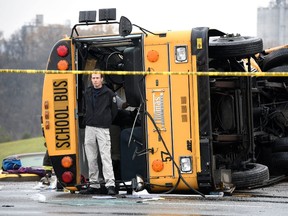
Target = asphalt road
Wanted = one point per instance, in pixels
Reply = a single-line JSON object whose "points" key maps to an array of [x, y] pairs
{"points": [[26, 198]]}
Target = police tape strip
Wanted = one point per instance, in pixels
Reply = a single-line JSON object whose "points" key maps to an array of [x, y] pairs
{"points": [[261, 74], [47, 168]]}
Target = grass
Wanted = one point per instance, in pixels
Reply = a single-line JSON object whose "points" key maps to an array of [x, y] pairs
{"points": [[21, 146]]}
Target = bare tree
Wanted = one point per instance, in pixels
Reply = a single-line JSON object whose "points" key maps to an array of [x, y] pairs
{"points": [[28, 48]]}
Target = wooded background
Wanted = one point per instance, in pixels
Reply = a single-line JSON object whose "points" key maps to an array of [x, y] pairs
{"points": [[21, 94]]}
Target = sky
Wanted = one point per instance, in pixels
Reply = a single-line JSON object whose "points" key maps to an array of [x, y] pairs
{"points": [[229, 16]]}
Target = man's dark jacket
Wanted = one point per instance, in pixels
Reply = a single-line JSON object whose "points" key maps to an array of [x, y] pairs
{"points": [[100, 111]]}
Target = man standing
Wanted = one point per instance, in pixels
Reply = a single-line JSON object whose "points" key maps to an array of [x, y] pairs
{"points": [[100, 108]]}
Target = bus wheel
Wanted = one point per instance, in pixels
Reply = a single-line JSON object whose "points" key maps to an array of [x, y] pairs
{"points": [[255, 174], [282, 68], [280, 145], [234, 46], [275, 59], [280, 161]]}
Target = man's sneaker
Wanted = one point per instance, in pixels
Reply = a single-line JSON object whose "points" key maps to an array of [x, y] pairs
{"points": [[45, 180], [111, 190], [91, 190]]}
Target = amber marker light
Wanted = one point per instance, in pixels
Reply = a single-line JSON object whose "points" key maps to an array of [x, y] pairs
{"points": [[46, 114], [47, 125], [153, 56], [66, 161], [46, 104], [62, 65], [157, 165]]}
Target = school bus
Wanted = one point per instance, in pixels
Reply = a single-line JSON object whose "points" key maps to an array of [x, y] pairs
{"points": [[196, 122]]}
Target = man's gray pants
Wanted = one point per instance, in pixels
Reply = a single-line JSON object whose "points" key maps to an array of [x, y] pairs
{"points": [[98, 144]]}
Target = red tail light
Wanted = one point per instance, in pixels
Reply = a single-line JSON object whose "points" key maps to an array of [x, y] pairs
{"points": [[62, 51], [67, 177]]}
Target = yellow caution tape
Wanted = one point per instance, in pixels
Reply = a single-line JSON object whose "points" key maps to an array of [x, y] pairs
{"points": [[262, 74], [48, 168]]}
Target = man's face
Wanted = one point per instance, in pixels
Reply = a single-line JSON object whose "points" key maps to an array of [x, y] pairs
{"points": [[97, 80]]}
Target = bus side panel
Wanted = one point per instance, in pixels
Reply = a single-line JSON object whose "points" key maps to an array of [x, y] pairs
{"points": [[184, 103], [171, 102], [158, 107], [185, 146]]}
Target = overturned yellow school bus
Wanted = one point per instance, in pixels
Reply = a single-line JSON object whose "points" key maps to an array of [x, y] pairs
{"points": [[183, 131]]}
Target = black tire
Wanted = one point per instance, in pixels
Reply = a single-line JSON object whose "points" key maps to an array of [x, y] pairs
{"points": [[280, 160], [275, 59], [280, 145], [234, 46], [283, 68], [256, 174]]}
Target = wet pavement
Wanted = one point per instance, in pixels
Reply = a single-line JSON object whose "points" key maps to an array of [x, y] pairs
{"points": [[27, 198]]}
